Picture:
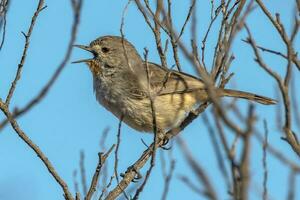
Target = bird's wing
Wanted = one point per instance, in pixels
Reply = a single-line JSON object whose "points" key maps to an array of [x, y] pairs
{"points": [[164, 81]]}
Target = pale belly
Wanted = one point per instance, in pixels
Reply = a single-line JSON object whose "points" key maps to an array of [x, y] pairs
{"points": [[170, 110]]}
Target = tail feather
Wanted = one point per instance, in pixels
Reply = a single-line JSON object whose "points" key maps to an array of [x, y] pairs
{"points": [[249, 96]]}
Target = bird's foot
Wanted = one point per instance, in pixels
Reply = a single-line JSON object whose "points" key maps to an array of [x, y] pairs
{"points": [[164, 144], [137, 176]]}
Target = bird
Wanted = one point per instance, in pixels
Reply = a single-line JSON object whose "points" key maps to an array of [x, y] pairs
{"points": [[130, 87]]}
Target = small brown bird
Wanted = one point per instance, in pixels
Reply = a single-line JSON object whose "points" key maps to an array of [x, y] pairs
{"points": [[122, 87]]}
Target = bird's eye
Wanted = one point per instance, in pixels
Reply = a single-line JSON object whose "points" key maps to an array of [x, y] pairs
{"points": [[105, 50]]}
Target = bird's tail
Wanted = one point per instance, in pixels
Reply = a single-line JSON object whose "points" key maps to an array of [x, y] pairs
{"points": [[248, 96]]}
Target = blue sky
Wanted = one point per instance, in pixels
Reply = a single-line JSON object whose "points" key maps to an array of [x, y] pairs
{"points": [[69, 119]]}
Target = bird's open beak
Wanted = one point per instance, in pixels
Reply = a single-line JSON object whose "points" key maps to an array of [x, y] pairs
{"points": [[86, 48]]}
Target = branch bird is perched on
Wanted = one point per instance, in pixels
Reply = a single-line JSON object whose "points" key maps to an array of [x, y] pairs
{"points": [[121, 86]]}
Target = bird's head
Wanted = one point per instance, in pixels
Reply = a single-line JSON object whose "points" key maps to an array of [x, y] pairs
{"points": [[110, 52]]}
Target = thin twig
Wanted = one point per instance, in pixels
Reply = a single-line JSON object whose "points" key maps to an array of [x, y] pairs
{"points": [[190, 185], [117, 158], [101, 160], [117, 151], [155, 130], [36, 149], [5, 5], [172, 37], [264, 161], [278, 154], [187, 19], [156, 28], [106, 187], [245, 159], [209, 190], [207, 32], [268, 50], [44, 91], [227, 34], [82, 173], [217, 150], [103, 149], [294, 99], [40, 7], [76, 186], [168, 179], [290, 136], [280, 29], [292, 185]]}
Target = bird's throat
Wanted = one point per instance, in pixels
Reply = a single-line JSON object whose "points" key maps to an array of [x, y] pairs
{"points": [[95, 69]]}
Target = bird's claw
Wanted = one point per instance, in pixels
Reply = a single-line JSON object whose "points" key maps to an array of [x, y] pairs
{"points": [[137, 176], [164, 144]]}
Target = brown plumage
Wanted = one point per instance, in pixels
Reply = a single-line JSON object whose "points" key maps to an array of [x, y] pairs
{"points": [[121, 86]]}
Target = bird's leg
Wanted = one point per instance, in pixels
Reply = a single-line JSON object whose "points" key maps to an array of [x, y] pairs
{"points": [[164, 144], [162, 136], [137, 176]]}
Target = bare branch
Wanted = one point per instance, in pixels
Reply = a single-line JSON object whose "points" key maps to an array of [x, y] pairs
{"points": [[213, 18], [106, 187], [291, 186], [192, 186], [245, 160], [82, 173], [168, 179], [43, 92], [40, 7], [101, 160], [209, 190], [36, 149], [155, 130], [117, 157], [156, 28], [187, 19], [76, 186], [290, 136], [217, 150], [268, 50], [264, 161], [281, 30], [4, 9]]}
